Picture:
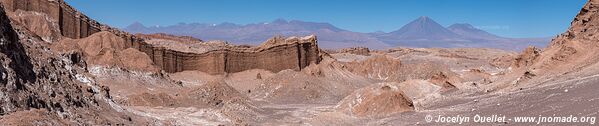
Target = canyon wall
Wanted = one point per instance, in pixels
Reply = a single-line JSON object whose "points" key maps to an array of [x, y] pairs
{"points": [[294, 56], [75, 25]]}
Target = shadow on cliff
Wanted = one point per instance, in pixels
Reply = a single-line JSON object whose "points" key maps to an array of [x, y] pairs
{"points": [[14, 50]]}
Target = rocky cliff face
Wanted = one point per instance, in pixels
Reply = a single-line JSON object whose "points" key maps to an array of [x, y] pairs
{"points": [[293, 54], [72, 23], [36, 83]]}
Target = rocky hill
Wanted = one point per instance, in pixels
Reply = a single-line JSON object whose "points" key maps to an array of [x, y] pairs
{"points": [[575, 49], [572, 53]]}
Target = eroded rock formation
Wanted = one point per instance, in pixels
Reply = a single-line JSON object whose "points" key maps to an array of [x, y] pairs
{"points": [[34, 81], [107, 49], [527, 57], [357, 50], [376, 100], [275, 55]]}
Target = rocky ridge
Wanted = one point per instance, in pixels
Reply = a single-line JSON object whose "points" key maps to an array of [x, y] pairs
{"points": [[48, 86]]}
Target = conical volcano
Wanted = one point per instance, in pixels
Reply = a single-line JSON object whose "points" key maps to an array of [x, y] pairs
{"points": [[423, 32], [423, 28]]}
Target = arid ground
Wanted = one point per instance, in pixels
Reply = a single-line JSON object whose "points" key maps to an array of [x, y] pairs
{"points": [[59, 67]]}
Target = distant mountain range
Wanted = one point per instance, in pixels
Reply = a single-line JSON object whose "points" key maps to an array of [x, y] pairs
{"points": [[422, 32]]}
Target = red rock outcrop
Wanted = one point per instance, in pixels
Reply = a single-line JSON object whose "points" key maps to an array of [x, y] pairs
{"points": [[527, 57], [292, 54]]}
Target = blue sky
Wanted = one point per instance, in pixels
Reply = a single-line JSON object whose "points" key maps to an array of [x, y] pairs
{"points": [[510, 18]]}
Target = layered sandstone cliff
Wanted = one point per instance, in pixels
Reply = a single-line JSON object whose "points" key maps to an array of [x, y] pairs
{"points": [[274, 55]]}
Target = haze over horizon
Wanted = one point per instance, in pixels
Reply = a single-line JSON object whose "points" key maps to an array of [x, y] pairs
{"points": [[509, 18]]}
